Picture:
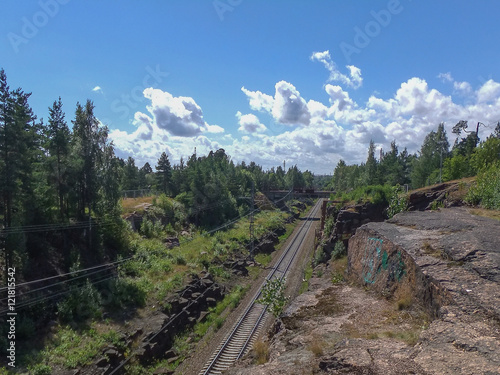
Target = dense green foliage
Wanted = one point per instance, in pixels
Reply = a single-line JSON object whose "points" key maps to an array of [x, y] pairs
{"points": [[273, 296], [433, 163], [378, 194], [486, 191], [398, 201]]}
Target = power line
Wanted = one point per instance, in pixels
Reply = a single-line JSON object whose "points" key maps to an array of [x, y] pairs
{"points": [[37, 300]]}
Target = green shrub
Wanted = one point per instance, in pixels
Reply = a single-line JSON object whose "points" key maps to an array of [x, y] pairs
{"points": [[378, 194], [273, 296], [320, 256], [151, 229], [486, 190], [126, 293], [436, 205], [339, 250], [180, 260], [398, 201], [329, 224], [81, 303]]}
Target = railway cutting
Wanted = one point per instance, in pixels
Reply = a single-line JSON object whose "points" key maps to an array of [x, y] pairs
{"points": [[248, 326]]}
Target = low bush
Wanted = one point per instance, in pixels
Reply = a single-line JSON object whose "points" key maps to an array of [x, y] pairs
{"points": [[398, 201], [486, 190], [81, 304], [339, 250], [378, 194]]}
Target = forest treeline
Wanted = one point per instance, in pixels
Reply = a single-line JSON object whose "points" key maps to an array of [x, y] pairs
{"points": [[435, 162], [62, 174]]}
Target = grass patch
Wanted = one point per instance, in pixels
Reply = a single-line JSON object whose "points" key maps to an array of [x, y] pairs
{"points": [[428, 249], [492, 214], [129, 205], [71, 348], [339, 269], [263, 259]]}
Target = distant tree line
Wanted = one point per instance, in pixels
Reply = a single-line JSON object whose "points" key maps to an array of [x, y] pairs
{"points": [[434, 162], [212, 187]]}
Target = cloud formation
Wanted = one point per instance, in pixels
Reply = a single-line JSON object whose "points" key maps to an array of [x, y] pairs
{"points": [[354, 78], [313, 134], [249, 123]]}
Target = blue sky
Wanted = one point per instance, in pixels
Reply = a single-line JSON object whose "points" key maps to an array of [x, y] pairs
{"points": [[306, 82]]}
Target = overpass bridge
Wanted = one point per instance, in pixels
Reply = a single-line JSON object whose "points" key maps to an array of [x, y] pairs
{"points": [[296, 193]]}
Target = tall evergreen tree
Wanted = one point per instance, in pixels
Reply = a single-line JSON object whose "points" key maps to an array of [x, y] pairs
{"points": [[58, 146], [496, 132], [131, 175], [164, 173], [89, 141], [19, 140], [433, 151], [371, 177]]}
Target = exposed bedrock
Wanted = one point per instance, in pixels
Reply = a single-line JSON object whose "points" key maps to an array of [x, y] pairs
{"points": [[448, 261]]}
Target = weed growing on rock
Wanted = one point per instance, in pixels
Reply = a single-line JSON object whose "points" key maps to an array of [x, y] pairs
{"points": [[316, 347], [339, 250], [398, 201], [261, 352], [273, 296], [337, 278]]}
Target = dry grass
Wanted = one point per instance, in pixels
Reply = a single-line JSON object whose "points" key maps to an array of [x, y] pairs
{"points": [[404, 297], [492, 214], [462, 182], [428, 249], [261, 352], [129, 205], [316, 348]]}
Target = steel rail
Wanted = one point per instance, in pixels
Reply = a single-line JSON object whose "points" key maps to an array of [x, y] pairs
{"points": [[251, 320]]}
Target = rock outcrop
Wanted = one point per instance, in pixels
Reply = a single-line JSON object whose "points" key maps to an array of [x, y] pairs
{"points": [[449, 262], [187, 307]]}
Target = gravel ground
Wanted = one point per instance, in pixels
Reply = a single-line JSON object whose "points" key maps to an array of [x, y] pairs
{"points": [[205, 348]]}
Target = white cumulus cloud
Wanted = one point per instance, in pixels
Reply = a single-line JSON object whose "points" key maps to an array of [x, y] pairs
{"points": [[179, 116], [249, 123], [354, 79]]}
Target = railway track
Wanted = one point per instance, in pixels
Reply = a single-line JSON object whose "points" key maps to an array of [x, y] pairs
{"points": [[247, 328]]}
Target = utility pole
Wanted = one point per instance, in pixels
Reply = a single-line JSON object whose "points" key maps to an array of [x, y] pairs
{"points": [[441, 143], [251, 226]]}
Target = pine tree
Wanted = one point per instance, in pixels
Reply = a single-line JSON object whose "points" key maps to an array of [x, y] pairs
{"points": [[58, 146], [433, 151], [164, 173], [496, 132], [131, 175], [89, 141], [371, 177]]}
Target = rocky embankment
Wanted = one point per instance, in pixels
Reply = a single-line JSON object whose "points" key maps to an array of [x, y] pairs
{"points": [[422, 296]]}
